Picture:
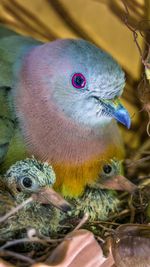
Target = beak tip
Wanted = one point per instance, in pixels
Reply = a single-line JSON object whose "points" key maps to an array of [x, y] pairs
{"points": [[128, 123], [65, 207], [120, 183], [123, 117]]}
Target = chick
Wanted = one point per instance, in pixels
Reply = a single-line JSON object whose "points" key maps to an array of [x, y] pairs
{"points": [[98, 202], [23, 179], [111, 177]]}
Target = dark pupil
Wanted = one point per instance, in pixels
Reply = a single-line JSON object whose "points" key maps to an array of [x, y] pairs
{"points": [[107, 169], [79, 80], [27, 182]]}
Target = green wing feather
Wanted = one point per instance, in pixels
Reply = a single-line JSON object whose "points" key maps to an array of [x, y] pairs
{"points": [[12, 49]]}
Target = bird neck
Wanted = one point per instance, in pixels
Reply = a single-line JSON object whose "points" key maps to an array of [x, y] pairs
{"points": [[97, 203], [50, 135]]}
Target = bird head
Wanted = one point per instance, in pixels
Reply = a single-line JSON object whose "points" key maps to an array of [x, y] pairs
{"points": [[31, 177], [111, 177], [84, 81]]}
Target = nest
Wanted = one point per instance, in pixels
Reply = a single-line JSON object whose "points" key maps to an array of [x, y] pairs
{"points": [[135, 208]]}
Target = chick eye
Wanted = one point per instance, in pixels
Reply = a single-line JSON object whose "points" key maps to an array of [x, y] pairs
{"points": [[27, 182], [78, 80], [107, 169]]}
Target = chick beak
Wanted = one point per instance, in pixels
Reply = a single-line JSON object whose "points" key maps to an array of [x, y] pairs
{"points": [[117, 111], [50, 196], [120, 183]]}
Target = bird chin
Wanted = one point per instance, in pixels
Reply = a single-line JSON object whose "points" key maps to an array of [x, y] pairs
{"points": [[94, 121], [99, 122], [103, 120]]}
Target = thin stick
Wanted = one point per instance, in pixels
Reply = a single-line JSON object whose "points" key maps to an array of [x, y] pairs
{"points": [[106, 228], [16, 209], [23, 240], [120, 214], [102, 222], [23, 16], [83, 221], [138, 162], [145, 146], [50, 240], [16, 255], [132, 209], [133, 30]]}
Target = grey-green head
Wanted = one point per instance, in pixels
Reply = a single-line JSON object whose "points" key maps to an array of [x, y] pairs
{"points": [[111, 177], [79, 79], [30, 176]]}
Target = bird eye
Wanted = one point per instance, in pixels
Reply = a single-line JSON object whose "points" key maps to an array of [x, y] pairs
{"points": [[107, 169], [78, 80], [27, 184]]}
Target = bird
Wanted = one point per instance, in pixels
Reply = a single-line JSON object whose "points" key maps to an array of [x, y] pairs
{"points": [[98, 201], [49, 213], [22, 180], [63, 100], [112, 176]]}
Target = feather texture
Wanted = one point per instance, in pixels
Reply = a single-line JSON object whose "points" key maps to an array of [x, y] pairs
{"points": [[68, 127]]}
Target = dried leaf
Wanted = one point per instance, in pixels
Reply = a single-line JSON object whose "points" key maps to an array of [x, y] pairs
{"points": [[131, 245], [78, 249]]}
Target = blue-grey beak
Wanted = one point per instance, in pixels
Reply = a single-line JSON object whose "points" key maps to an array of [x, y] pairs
{"points": [[117, 111], [122, 115]]}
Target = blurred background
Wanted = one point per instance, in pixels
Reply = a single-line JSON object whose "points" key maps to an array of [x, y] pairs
{"points": [[120, 27]]}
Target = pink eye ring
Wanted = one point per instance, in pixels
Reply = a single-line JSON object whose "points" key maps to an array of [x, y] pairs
{"points": [[78, 80]]}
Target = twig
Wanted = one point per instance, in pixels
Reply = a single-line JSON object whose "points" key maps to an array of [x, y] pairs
{"points": [[148, 125], [145, 146], [120, 214], [138, 162], [100, 239], [83, 221], [16, 209], [50, 240], [110, 223], [23, 240], [132, 209], [135, 35], [125, 6], [106, 228], [27, 18], [16, 255]]}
